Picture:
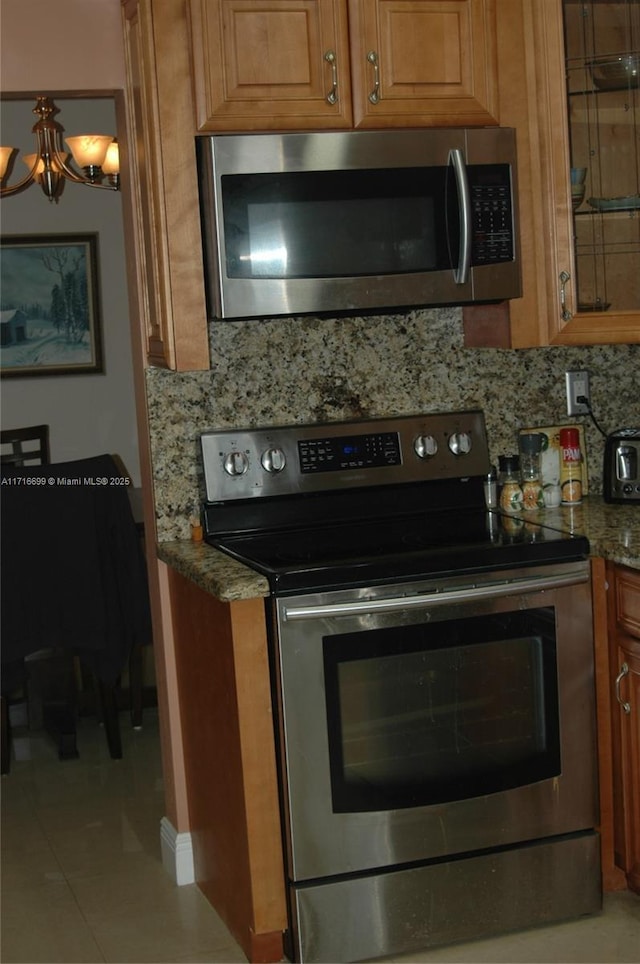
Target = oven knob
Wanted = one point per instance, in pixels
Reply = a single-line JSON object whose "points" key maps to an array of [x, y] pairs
{"points": [[235, 463], [273, 460], [460, 443], [425, 446]]}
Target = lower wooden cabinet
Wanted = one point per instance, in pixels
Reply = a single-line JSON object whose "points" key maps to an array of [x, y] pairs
{"points": [[230, 763], [624, 656]]}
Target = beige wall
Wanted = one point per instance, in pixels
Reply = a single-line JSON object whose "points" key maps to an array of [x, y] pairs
{"points": [[60, 46], [74, 48], [87, 414]]}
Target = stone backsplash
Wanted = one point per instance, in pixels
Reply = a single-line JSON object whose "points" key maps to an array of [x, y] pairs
{"points": [[300, 370]]}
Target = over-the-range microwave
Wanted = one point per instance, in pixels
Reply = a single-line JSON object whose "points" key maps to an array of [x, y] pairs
{"points": [[358, 221]]}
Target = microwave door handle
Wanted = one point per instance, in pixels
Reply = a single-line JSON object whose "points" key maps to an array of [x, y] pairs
{"points": [[456, 159]]}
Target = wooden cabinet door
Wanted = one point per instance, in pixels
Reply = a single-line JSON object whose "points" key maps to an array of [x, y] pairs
{"points": [[160, 185], [533, 98], [626, 722], [599, 252], [274, 65], [423, 62], [628, 787]]}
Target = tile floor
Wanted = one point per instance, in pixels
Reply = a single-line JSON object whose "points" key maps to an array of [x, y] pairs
{"points": [[82, 879]]}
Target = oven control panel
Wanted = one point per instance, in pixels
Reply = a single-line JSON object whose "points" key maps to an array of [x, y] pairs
{"points": [[292, 459], [349, 452]]}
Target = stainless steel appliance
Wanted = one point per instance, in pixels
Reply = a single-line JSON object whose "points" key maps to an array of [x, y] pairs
{"points": [[360, 220], [433, 677], [621, 470]]}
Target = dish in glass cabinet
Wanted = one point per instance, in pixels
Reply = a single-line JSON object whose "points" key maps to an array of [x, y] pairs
{"points": [[615, 73], [629, 203]]}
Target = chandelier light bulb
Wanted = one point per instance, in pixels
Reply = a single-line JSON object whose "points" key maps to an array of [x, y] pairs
{"points": [[30, 159], [5, 157], [111, 163], [89, 150]]}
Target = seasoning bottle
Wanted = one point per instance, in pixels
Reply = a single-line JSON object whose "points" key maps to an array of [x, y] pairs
{"points": [[530, 449], [510, 491], [570, 466]]}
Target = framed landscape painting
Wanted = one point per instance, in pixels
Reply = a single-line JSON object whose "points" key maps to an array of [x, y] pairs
{"points": [[49, 305]]}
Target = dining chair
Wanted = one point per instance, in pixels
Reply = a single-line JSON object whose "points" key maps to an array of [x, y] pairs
{"points": [[22, 446], [74, 585], [18, 446]]}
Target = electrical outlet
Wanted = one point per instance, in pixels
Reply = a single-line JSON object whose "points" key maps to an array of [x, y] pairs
{"points": [[577, 387]]}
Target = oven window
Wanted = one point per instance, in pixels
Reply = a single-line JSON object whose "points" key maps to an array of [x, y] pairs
{"points": [[425, 714]]}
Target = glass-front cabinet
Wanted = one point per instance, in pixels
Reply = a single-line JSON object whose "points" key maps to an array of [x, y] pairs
{"points": [[602, 45], [569, 84]]}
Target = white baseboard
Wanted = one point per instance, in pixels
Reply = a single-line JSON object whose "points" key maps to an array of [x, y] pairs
{"points": [[177, 853]]}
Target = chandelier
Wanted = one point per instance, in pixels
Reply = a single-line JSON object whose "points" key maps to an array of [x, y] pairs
{"points": [[95, 154]]}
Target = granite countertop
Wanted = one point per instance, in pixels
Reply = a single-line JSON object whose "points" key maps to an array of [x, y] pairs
{"points": [[212, 570], [613, 532]]}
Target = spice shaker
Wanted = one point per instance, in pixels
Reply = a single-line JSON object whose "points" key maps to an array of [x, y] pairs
{"points": [[510, 492]]}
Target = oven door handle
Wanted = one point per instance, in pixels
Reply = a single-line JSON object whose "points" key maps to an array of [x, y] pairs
{"points": [[441, 597]]}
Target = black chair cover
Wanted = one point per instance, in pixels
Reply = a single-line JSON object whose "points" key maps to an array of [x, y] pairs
{"points": [[73, 574]]}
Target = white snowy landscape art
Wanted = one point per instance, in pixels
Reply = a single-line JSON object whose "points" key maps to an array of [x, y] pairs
{"points": [[49, 306]]}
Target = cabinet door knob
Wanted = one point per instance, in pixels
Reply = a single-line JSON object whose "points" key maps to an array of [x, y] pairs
{"points": [[374, 96], [624, 671], [332, 96]]}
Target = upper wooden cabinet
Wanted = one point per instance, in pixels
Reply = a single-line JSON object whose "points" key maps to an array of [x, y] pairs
{"points": [[332, 64], [160, 186], [575, 261], [603, 63], [282, 64]]}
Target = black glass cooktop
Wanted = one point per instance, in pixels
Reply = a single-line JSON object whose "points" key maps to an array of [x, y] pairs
{"points": [[372, 552]]}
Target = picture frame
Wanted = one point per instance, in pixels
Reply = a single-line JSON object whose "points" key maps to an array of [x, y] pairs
{"points": [[50, 321]]}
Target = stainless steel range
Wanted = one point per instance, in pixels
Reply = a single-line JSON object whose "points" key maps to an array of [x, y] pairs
{"points": [[433, 678]]}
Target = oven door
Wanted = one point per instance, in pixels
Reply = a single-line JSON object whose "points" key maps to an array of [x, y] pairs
{"points": [[432, 719]]}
